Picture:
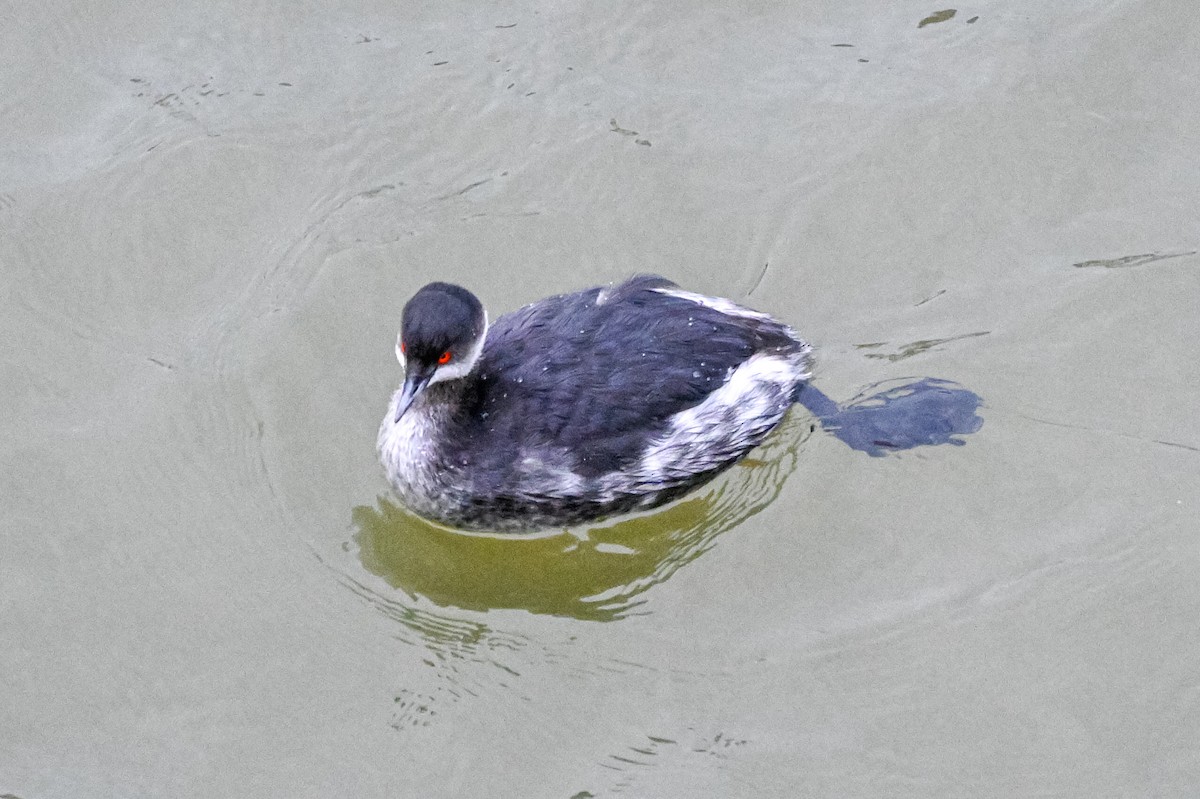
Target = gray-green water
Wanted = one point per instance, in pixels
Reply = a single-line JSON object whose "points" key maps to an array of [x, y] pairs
{"points": [[211, 214]]}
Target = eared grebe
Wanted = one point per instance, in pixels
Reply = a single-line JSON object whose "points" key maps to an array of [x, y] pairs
{"points": [[579, 406]]}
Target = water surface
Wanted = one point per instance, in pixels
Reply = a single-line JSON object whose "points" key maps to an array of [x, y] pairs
{"points": [[212, 215]]}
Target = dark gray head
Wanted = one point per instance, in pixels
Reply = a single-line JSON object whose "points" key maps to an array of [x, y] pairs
{"points": [[441, 335]]}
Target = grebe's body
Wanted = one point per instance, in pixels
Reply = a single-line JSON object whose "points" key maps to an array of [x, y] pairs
{"points": [[579, 406]]}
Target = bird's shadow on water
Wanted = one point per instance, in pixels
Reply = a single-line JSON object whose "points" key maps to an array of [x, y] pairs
{"points": [[599, 573], [898, 414]]}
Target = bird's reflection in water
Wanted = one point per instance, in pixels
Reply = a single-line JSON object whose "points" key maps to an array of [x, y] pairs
{"points": [[596, 573], [599, 573]]}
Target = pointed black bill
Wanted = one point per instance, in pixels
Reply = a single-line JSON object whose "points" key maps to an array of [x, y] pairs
{"points": [[414, 383]]}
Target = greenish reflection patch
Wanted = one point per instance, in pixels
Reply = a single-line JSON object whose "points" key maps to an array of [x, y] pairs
{"points": [[1131, 260], [596, 573], [916, 347], [938, 16]]}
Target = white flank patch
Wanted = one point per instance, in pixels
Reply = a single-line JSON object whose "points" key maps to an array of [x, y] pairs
{"points": [[728, 422]]}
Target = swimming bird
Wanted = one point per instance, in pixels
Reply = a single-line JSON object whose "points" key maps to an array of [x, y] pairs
{"points": [[579, 406]]}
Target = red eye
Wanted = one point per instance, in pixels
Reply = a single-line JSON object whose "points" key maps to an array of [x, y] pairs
{"points": [[403, 349], [444, 358]]}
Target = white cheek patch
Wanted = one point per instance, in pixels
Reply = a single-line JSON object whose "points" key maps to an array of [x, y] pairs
{"points": [[461, 367]]}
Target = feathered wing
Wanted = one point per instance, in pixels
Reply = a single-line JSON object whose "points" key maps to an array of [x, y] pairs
{"points": [[610, 375]]}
